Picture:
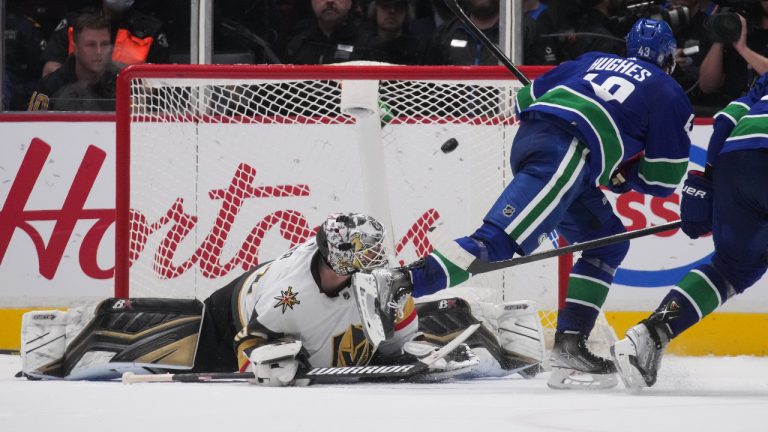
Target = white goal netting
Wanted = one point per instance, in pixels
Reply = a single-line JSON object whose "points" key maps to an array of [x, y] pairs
{"points": [[223, 167]]}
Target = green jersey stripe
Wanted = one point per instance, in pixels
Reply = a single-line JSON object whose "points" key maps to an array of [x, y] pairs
{"points": [[664, 173], [539, 208], [608, 135], [524, 97], [751, 125], [701, 291], [456, 274], [734, 111], [587, 290]]}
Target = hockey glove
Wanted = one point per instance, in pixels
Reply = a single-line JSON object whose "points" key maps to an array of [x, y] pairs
{"points": [[625, 175], [696, 205], [276, 364]]}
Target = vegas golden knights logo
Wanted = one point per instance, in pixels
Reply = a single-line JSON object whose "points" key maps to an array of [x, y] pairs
{"points": [[351, 348]]}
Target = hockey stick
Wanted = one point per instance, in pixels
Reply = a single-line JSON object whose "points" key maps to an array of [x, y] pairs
{"points": [[453, 5], [478, 266], [322, 375]]}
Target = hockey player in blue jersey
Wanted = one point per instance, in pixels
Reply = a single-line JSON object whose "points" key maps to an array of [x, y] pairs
{"points": [[601, 119], [729, 199]]}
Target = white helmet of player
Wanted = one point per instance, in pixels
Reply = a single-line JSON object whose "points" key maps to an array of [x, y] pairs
{"points": [[352, 242]]}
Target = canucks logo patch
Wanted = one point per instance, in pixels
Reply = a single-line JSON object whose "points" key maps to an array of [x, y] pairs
{"points": [[287, 299]]}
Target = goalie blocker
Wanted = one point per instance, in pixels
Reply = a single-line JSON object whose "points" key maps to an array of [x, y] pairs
{"points": [[150, 336]]}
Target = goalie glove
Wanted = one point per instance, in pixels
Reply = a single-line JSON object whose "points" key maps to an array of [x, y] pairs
{"points": [[276, 364]]}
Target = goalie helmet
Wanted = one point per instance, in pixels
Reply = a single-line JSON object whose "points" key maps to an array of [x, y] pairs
{"points": [[352, 242], [653, 41]]}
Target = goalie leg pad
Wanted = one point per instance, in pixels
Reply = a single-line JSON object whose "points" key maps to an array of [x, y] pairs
{"points": [[44, 337], [123, 335], [511, 333]]}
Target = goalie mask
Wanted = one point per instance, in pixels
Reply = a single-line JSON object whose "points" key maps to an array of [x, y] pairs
{"points": [[352, 242]]}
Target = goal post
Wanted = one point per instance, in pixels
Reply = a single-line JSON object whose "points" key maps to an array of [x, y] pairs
{"points": [[220, 167]]}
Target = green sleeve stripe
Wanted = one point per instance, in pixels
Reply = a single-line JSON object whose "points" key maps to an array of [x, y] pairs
{"points": [[456, 274], [701, 291], [586, 290], [667, 173], [524, 97], [599, 120], [734, 111], [751, 125]]}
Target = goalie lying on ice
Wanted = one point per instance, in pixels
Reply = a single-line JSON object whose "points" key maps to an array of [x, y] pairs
{"points": [[297, 311]]}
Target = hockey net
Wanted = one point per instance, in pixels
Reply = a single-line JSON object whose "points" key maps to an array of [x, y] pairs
{"points": [[223, 167]]}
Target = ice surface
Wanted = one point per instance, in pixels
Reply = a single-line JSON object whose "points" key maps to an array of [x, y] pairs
{"points": [[692, 394]]}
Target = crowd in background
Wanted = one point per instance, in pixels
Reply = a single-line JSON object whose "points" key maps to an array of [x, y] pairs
{"points": [[61, 54]]}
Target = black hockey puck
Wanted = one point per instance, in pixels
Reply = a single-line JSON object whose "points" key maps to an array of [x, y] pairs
{"points": [[449, 146]]}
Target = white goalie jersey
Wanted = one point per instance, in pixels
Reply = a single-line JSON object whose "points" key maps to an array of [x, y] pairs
{"points": [[282, 298]]}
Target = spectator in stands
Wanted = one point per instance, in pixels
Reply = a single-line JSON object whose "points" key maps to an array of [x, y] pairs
{"points": [[390, 40], [24, 44], [538, 20], [330, 39], [593, 31], [136, 37], [430, 14], [694, 35], [729, 69], [86, 80], [287, 19], [453, 44], [242, 32]]}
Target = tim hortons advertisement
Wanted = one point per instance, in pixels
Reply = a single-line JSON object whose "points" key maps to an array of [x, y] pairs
{"points": [[203, 214]]}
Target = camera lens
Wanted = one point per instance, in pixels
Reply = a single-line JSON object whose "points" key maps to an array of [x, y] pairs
{"points": [[725, 27]]}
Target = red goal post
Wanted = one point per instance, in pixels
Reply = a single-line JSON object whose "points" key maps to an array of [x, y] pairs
{"points": [[220, 167]]}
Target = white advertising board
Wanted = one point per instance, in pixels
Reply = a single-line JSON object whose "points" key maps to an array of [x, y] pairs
{"points": [[57, 187]]}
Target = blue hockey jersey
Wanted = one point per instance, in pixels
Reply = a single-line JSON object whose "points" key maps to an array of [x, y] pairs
{"points": [[742, 124], [619, 107]]}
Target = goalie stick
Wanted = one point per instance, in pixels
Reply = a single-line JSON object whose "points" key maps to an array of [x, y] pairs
{"points": [[320, 375], [478, 266]]}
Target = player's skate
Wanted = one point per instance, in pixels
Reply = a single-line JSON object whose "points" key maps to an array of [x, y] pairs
{"points": [[638, 355], [575, 367]]}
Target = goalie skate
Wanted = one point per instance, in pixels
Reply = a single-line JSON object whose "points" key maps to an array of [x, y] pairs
{"points": [[575, 367]]}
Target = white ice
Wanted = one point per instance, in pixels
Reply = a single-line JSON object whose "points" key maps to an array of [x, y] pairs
{"points": [[693, 394]]}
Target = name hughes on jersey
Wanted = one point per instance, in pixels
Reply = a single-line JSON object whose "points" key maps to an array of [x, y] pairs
{"points": [[622, 66]]}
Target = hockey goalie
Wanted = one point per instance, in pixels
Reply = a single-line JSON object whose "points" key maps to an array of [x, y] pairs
{"points": [[299, 311]]}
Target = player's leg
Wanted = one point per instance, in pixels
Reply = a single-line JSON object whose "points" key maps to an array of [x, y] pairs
{"points": [[216, 348], [740, 231], [589, 217], [549, 173]]}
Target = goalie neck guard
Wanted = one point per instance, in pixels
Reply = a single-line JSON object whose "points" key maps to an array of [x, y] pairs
{"points": [[352, 242]]}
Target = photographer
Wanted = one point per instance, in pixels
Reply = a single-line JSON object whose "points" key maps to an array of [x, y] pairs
{"points": [[595, 29], [693, 42], [738, 56]]}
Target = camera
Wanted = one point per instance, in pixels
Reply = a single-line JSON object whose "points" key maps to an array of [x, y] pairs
{"points": [[677, 18], [725, 26]]}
